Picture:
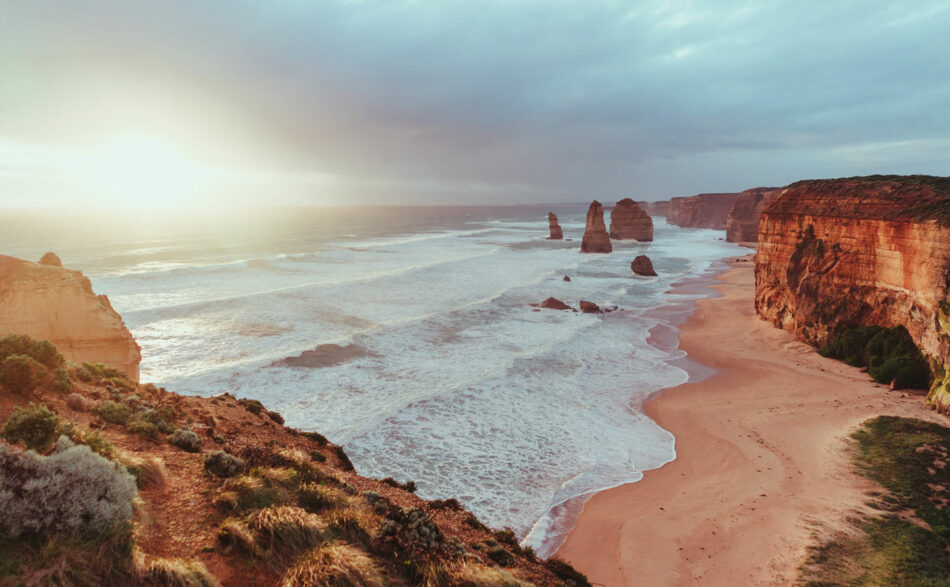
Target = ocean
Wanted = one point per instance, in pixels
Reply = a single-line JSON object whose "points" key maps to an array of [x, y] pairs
{"points": [[442, 372]]}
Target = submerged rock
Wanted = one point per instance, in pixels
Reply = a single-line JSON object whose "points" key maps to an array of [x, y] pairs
{"points": [[566, 278], [642, 265], [596, 239], [589, 307]]}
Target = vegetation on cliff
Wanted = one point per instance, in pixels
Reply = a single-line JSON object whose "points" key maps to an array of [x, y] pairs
{"points": [[889, 355], [112, 482], [907, 542]]}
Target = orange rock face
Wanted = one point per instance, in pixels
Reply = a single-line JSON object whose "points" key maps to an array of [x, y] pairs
{"points": [[861, 251], [629, 221], [742, 224], [702, 211], [55, 304], [596, 239], [556, 233], [642, 265]]}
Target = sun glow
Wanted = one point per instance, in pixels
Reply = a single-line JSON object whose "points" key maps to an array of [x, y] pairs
{"points": [[145, 172]]}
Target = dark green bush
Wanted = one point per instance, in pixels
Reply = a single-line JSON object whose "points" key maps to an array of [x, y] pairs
{"points": [[315, 436], [62, 381], [344, 460], [35, 426], [565, 571], [186, 440], [21, 374], [151, 424], [222, 464], [889, 354], [114, 413], [317, 456], [500, 556], [41, 351]]}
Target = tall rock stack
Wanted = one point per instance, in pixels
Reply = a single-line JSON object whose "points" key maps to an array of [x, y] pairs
{"points": [[556, 233], [596, 239], [629, 221], [55, 304]]}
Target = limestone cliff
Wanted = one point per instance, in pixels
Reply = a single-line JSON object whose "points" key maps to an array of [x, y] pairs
{"points": [[596, 239], [860, 251], [55, 304], [702, 211], [555, 228], [742, 224], [659, 208], [629, 221]]}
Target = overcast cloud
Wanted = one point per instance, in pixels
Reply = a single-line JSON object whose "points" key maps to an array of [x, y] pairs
{"points": [[478, 102]]}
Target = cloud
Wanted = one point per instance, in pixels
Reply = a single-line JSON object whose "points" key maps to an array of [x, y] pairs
{"points": [[539, 101]]}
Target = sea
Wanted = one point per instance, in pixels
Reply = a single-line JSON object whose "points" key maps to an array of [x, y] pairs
{"points": [[434, 365]]}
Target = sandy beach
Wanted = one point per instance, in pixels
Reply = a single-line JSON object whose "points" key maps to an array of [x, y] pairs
{"points": [[762, 458]]}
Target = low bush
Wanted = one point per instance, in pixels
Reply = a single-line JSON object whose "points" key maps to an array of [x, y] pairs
{"points": [[345, 463], [499, 555], [889, 354], [177, 573], [567, 573], [317, 498], [317, 456], [222, 464], [316, 437], [41, 351], [187, 440], [95, 441], [148, 472], [409, 486], [114, 412], [62, 382], [411, 531], [151, 424], [79, 403], [21, 374], [74, 491], [35, 426], [334, 563], [446, 504]]}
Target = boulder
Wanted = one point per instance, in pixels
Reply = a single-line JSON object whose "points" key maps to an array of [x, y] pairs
{"points": [[566, 278], [643, 266], [555, 228], [554, 304], [629, 221], [596, 239], [589, 307]]}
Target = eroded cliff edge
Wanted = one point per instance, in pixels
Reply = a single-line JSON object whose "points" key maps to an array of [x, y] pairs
{"points": [[56, 304], [701, 211], [860, 251]]}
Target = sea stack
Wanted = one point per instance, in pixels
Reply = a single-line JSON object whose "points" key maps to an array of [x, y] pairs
{"points": [[629, 221], [643, 266], [51, 259], [596, 239], [50, 303], [556, 233]]}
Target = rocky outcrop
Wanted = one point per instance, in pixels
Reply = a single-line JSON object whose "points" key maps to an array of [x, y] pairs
{"points": [[659, 208], [51, 259], [629, 221], [860, 251], [55, 304], [742, 224], [553, 304], [596, 239], [555, 228], [643, 266], [702, 211], [589, 307]]}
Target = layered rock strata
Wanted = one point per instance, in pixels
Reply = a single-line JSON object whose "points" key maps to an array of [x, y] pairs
{"points": [[860, 251], [596, 239], [742, 224], [659, 208], [629, 221], [555, 228], [51, 303], [701, 211]]}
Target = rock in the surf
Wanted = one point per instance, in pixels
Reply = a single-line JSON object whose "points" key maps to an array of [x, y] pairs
{"points": [[596, 239], [556, 233], [643, 266]]}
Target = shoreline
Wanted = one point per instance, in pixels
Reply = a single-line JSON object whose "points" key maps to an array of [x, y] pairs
{"points": [[761, 457]]}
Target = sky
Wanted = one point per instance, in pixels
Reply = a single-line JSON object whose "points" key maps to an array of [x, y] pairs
{"points": [[111, 102]]}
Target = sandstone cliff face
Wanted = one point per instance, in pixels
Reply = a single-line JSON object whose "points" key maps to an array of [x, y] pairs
{"points": [[556, 233], [859, 251], [659, 208], [596, 239], [629, 221], [55, 304], [742, 224], [702, 211]]}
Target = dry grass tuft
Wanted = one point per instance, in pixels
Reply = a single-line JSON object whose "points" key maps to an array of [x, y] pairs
{"points": [[177, 573], [476, 575], [334, 564], [151, 472]]}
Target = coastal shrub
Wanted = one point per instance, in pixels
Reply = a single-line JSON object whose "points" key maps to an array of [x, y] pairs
{"points": [[345, 463], [21, 374], [889, 354], [114, 412], [409, 486], [74, 491], [276, 535], [151, 423], [187, 440], [247, 493], [317, 498], [62, 382], [35, 426], [350, 525], [446, 504], [334, 563], [475, 523], [316, 437], [41, 351], [79, 403], [411, 530], [564, 571], [105, 559], [177, 573], [317, 456], [223, 464], [499, 555], [95, 441]]}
